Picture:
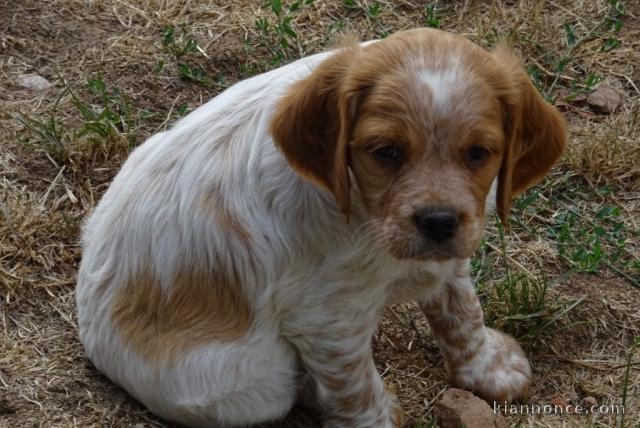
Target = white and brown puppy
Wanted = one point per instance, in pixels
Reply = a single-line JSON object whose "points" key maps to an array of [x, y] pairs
{"points": [[257, 242]]}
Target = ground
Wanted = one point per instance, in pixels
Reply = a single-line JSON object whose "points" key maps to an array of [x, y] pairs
{"points": [[564, 279]]}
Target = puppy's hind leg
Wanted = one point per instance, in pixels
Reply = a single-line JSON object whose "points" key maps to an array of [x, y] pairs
{"points": [[235, 385]]}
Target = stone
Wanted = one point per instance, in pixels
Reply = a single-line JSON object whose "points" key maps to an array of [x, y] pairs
{"points": [[33, 82], [604, 99], [589, 402], [559, 401], [459, 408]]}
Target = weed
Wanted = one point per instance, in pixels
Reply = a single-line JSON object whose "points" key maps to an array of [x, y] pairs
{"points": [[481, 265], [431, 16], [113, 119], [351, 4], [589, 236], [48, 133], [518, 303], [588, 244], [522, 302], [589, 84], [108, 123], [195, 74], [182, 110], [337, 26], [613, 24], [276, 35], [372, 10], [179, 44], [606, 29]]}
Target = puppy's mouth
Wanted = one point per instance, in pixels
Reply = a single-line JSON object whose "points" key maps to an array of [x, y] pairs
{"points": [[414, 245], [404, 240], [416, 248]]}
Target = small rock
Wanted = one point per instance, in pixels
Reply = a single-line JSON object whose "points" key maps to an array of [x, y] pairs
{"points": [[589, 402], [603, 99], [459, 408], [562, 402], [559, 400], [33, 82]]}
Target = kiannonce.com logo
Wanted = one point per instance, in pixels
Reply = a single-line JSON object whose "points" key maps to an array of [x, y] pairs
{"points": [[555, 409]]}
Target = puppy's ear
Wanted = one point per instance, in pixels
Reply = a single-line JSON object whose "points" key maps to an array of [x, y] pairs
{"points": [[312, 126], [535, 133]]}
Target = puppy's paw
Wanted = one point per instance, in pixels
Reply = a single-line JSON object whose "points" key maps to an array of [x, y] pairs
{"points": [[498, 371]]}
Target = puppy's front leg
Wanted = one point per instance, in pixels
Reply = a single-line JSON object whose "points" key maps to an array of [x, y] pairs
{"points": [[349, 389], [478, 358]]}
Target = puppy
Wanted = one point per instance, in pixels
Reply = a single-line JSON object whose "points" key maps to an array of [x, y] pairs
{"points": [[257, 242]]}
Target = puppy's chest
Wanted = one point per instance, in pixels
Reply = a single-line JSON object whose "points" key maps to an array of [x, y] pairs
{"points": [[399, 280]]}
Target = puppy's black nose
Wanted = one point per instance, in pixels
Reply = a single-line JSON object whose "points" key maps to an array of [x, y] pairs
{"points": [[437, 223]]}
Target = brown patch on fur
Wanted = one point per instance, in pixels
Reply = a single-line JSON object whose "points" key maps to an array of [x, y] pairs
{"points": [[213, 200], [311, 126], [200, 308], [536, 132]]}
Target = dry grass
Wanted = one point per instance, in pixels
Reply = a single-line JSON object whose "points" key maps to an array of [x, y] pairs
{"points": [[579, 335]]}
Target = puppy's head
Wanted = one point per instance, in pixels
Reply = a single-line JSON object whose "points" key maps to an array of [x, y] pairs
{"points": [[425, 121]]}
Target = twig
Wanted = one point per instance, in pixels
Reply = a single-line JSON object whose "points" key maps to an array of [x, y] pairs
{"points": [[587, 365], [628, 79], [52, 185], [163, 125]]}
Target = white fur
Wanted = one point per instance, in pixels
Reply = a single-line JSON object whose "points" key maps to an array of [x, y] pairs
{"points": [[442, 84], [316, 274]]}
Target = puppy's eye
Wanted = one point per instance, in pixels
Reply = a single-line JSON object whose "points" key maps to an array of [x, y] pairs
{"points": [[388, 154], [477, 154]]}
